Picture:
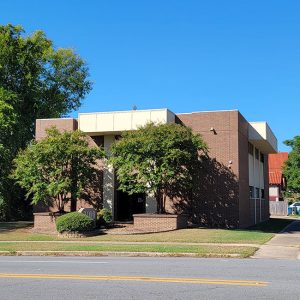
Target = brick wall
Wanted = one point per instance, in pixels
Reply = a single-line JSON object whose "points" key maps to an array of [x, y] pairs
{"points": [[45, 222], [243, 174], [60, 124], [215, 199], [221, 193], [158, 223]]}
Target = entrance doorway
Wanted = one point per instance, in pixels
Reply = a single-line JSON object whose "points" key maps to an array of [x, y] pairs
{"points": [[127, 205]]}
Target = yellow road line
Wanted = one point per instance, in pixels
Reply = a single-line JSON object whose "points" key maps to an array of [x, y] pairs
{"points": [[138, 278]]}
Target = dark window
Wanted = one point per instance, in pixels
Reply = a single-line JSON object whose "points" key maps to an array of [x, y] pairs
{"points": [[256, 153], [250, 148], [262, 157], [262, 193], [257, 193], [251, 191], [99, 140]]}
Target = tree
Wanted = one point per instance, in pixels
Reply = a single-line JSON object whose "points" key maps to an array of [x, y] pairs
{"points": [[37, 80], [60, 167], [7, 123], [155, 158], [291, 169], [46, 82]]}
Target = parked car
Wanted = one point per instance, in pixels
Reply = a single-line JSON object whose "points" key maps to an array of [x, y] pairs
{"points": [[294, 208]]}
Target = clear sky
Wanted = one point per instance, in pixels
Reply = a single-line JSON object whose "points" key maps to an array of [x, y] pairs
{"points": [[184, 55]]}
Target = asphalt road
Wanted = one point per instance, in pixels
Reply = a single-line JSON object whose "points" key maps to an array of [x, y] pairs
{"points": [[147, 278]]}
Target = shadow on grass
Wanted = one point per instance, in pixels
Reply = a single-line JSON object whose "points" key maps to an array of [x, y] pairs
{"points": [[274, 225], [11, 226]]}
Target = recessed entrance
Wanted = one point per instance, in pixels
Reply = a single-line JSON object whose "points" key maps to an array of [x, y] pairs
{"points": [[127, 205]]}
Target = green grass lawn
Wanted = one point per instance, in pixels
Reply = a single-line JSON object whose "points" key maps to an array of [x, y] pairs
{"points": [[258, 234], [203, 251]]}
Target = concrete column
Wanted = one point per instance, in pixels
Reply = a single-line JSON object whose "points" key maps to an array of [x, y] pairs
{"points": [[108, 178]]}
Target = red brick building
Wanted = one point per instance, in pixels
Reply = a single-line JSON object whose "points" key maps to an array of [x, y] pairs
{"points": [[233, 186], [277, 181]]}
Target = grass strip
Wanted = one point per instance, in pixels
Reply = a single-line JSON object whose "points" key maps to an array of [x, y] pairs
{"points": [[181, 236], [200, 250]]}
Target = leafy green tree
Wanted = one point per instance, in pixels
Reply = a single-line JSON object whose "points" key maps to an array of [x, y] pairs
{"points": [[7, 123], [60, 167], [156, 158], [291, 168], [37, 80], [46, 82]]}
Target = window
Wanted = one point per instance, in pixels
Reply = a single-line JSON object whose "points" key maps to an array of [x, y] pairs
{"points": [[250, 148], [256, 153], [251, 191], [262, 157], [257, 193], [262, 193], [99, 140]]}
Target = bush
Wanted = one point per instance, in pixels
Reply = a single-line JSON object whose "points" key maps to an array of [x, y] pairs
{"points": [[104, 216], [74, 221]]}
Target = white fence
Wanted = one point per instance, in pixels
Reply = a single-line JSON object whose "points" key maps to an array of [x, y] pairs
{"points": [[278, 208]]}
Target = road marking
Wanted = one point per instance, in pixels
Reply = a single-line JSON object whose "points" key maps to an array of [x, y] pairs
{"points": [[138, 278], [54, 261]]}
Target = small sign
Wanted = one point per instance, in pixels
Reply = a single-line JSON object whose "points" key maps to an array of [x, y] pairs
{"points": [[90, 212]]}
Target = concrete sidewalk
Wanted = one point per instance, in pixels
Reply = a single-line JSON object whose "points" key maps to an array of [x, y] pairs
{"points": [[285, 245]]}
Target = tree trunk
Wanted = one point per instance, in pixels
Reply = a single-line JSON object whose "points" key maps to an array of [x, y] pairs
{"points": [[160, 202], [73, 203], [74, 183], [156, 195]]}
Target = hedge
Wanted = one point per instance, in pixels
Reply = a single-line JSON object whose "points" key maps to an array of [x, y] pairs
{"points": [[74, 221]]}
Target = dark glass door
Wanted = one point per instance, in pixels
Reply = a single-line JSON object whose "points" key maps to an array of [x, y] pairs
{"points": [[128, 205]]}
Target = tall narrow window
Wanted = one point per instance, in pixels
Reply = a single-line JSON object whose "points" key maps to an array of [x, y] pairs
{"points": [[251, 192], [250, 148], [257, 190]]}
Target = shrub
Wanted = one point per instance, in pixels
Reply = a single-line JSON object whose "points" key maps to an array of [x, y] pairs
{"points": [[104, 216], [74, 221]]}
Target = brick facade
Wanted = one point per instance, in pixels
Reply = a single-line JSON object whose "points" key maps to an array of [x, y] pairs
{"points": [[220, 197], [223, 198], [217, 202]]}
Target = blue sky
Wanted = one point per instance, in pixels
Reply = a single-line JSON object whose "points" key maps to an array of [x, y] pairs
{"points": [[184, 55]]}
